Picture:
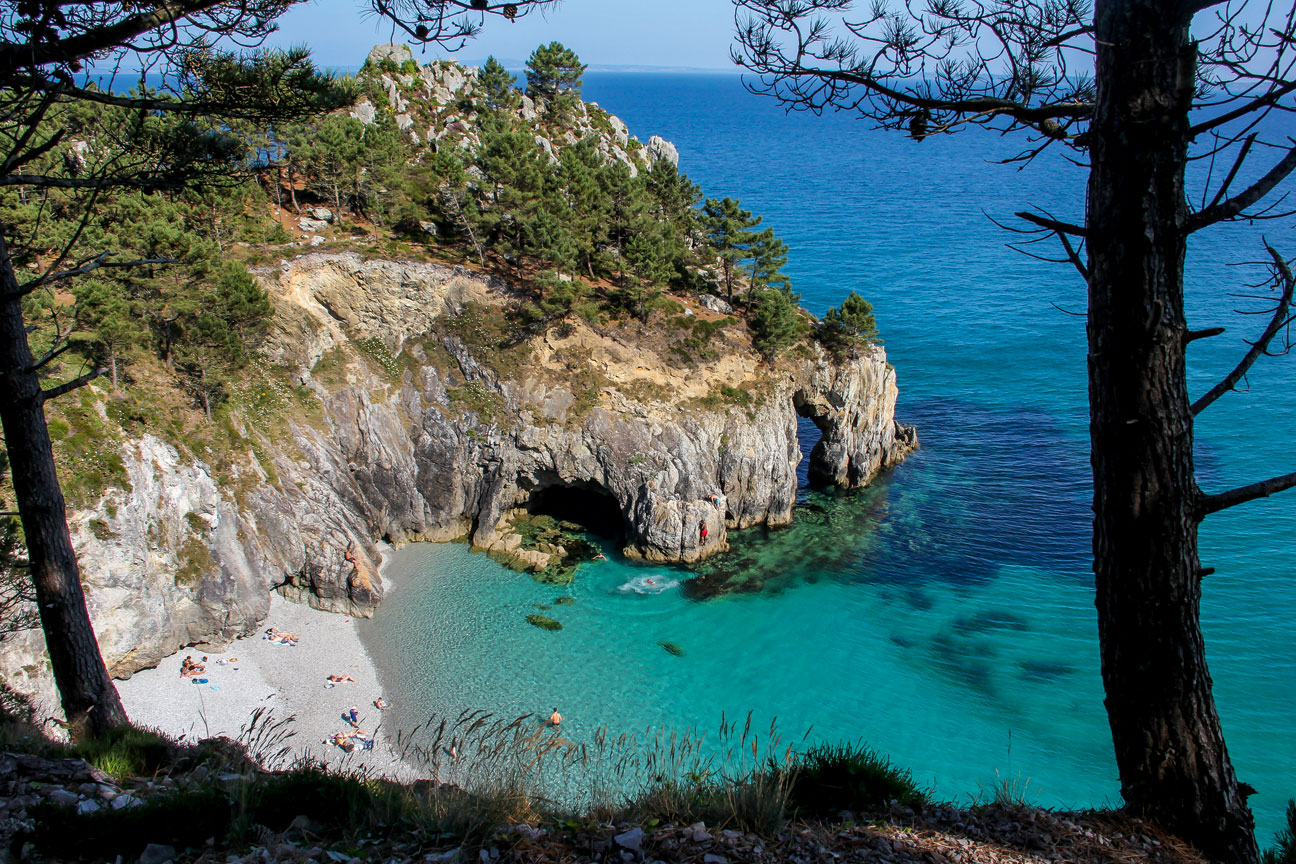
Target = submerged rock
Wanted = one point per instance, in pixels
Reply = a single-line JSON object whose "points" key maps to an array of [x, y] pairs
{"points": [[544, 622], [671, 648]]}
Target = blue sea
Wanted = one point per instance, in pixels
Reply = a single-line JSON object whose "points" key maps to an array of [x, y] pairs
{"points": [[944, 615]]}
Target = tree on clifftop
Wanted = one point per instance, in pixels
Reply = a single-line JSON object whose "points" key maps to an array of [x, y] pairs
{"points": [[169, 136], [554, 75], [1168, 80], [496, 86]]}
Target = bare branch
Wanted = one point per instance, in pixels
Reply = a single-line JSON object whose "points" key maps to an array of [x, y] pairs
{"points": [[69, 386], [1053, 224], [1234, 206], [95, 263], [1194, 335], [1280, 319], [1214, 503]]}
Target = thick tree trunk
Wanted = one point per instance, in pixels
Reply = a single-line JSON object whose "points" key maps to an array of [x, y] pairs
{"points": [[1174, 767], [89, 699]]}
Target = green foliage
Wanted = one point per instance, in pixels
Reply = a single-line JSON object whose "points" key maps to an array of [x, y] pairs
{"points": [[554, 75], [843, 329], [495, 85], [1284, 848], [776, 321], [127, 752], [834, 777], [476, 398], [728, 228], [85, 450]]}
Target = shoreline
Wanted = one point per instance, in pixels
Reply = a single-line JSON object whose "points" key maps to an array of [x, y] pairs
{"points": [[285, 685]]}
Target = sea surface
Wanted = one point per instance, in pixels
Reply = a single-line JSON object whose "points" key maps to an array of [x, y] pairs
{"points": [[945, 614]]}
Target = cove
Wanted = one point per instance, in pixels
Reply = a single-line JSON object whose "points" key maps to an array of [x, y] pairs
{"points": [[945, 614]]}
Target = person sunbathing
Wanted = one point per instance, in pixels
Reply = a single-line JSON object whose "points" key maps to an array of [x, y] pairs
{"points": [[381, 704], [341, 679], [188, 668]]}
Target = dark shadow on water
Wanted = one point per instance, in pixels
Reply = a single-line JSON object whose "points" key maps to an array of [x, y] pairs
{"points": [[988, 488]]}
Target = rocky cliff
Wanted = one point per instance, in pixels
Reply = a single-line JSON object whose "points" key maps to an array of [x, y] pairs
{"points": [[409, 413]]}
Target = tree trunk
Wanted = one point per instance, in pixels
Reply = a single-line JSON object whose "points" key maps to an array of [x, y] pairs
{"points": [[89, 699], [1170, 751]]}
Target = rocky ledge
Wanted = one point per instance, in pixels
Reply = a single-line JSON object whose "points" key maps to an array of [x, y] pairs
{"points": [[411, 416]]}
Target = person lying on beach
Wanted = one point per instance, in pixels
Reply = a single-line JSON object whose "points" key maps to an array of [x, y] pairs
{"points": [[352, 716], [381, 704], [344, 742], [345, 678], [281, 636], [188, 668]]}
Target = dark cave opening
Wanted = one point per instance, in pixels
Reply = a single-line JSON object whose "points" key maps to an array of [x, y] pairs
{"points": [[587, 504], [811, 425]]}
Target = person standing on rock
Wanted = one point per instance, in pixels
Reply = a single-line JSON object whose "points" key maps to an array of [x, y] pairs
{"points": [[704, 534]]}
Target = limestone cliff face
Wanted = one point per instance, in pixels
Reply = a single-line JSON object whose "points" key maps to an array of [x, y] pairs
{"points": [[421, 425], [451, 447]]}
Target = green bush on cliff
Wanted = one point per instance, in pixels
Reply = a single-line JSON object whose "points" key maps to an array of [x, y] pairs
{"points": [[834, 777], [847, 327]]}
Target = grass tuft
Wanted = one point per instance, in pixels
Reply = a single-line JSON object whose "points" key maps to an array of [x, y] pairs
{"points": [[851, 776]]}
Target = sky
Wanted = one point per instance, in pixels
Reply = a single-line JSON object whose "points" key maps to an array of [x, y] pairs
{"points": [[693, 34]]}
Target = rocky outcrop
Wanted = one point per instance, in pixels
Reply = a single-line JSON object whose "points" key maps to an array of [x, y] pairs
{"points": [[439, 97], [412, 420]]}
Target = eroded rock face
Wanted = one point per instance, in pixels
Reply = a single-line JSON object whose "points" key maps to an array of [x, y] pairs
{"points": [[417, 435]]}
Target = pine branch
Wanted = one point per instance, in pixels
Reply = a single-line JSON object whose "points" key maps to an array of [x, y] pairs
{"points": [[1279, 320], [1234, 206]]}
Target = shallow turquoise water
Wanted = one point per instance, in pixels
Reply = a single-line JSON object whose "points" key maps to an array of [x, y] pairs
{"points": [[945, 615]]}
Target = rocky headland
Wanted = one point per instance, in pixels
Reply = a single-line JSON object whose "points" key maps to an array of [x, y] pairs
{"points": [[406, 400], [405, 420]]}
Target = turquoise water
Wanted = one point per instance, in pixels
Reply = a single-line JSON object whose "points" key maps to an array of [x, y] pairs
{"points": [[945, 615]]}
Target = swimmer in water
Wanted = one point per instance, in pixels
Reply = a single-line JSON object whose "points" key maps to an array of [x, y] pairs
{"points": [[651, 582]]}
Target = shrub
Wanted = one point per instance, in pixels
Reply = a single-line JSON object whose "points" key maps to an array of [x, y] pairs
{"points": [[835, 777], [127, 752]]}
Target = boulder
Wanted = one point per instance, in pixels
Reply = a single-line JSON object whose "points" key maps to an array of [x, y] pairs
{"points": [[659, 148], [715, 304], [393, 51], [364, 112], [322, 213], [312, 225]]}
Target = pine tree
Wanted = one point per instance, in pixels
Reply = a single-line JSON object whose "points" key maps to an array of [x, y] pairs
{"points": [[767, 255], [775, 321], [554, 76], [728, 229], [105, 313], [496, 86], [852, 325]]}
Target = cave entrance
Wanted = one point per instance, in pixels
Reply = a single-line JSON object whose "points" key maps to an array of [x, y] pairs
{"points": [[808, 436], [811, 420], [586, 504]]}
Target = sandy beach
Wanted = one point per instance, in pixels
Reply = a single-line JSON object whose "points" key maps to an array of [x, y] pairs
{"points": [[289, 680]]}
